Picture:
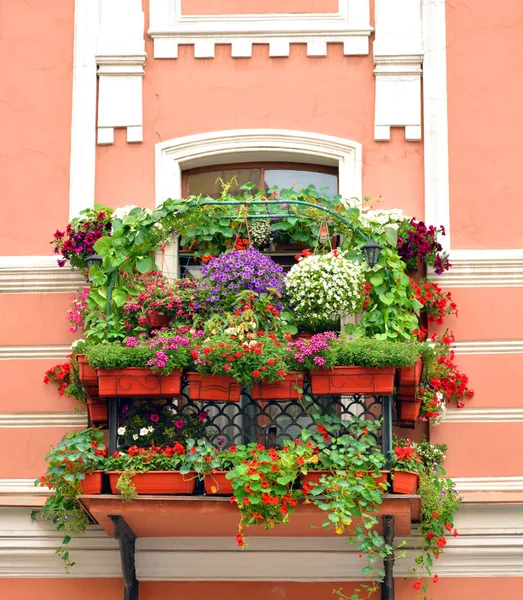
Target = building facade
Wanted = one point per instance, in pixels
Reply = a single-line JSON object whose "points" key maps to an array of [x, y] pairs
{"points": [[410, 102]]}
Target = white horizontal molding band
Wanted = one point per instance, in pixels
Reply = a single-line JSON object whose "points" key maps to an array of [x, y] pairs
{"points": [[43, 419], [21, 487], [489, 484], [484, 415], [33, 352], [489, 347], [482, 268], [169, 28]]}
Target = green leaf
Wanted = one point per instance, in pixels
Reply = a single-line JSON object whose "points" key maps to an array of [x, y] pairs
{"points": [[367, 570], [376, 280], [144, 264], [391, 236]]}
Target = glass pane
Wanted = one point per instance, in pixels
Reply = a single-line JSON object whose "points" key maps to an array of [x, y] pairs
{"points": [[286, 178], [208, 183]]}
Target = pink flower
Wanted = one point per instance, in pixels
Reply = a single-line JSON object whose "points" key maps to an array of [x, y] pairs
{"points": [[154, 418], [178, 424]]}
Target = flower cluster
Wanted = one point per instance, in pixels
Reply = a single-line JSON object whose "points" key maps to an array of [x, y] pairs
{"points": [[436, 303], [314, 353], [261, 233], [79, 309], [233, 272], [433, 407], [176, 300], [61, 374], [419, 243], [258, 357], [378, 219], [406, 458], [325, 288], [76, 243]]}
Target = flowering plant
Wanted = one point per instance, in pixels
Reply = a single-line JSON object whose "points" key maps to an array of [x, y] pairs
{"points": [[259, 357], [419, 243], [228, 274], [436, 303], [66, 376], [433, 406], [159, 423], [76, 243], [324, 288], [77, 454], [79, 309], [206, 459], [315, 352], [406, 458], [262, 480], [154, 293], [439, 502]]}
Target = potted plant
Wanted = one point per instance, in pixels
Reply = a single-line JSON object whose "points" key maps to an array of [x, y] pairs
{"points": [[406, 465], [359, 366], [151, 470], [73, 469], [323, 288], [140, 366], [212, 465], [255, 359]]}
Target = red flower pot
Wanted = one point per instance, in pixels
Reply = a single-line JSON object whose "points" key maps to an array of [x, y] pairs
{"points": [[156, 319], [280, 390], [405, 482], [218, 388], [87, 375], [353, 380], [313, 477], [407, 404], [408, 410], [158, 482], [217, 484], [135, 381], [98, 410], [92, 484]]}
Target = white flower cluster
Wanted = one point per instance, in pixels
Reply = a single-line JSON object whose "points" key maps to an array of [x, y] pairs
{"points": [[325, 287], [143, 431], [376, 219], [442, 409]]}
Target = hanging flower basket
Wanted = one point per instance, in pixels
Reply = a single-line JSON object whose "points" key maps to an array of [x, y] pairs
{"points": [[217, 388], [98, 410], [217, 485], [92, 484], [280, 390], [340, 381], [87, 375], [405, 482], [158, 482], [135, 381]]}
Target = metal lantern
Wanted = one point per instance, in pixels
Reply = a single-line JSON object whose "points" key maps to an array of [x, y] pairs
{"points": [[372, 252], [94, 259]]}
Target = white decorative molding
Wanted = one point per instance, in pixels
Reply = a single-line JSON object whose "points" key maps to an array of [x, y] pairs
{"points": [[33, 352], [120, 56], [44, 419], [21, 487], [398, 56], [482, 268], [489, 347], [36, 275], [490, 484], [169, 28], [484, 415], [435, 117], [83, 121]]}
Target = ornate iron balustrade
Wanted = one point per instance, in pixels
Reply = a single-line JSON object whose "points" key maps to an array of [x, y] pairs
{"points": [[160, 420]]}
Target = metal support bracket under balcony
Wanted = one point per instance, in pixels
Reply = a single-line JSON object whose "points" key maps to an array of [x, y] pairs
{"points": [[387, 585], [126, 539]]}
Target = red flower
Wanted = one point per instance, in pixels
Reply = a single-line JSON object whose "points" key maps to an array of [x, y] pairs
{"points": [[227, 367], [271, 362], [256, 373], [429, 536], [455, 534], [417, 586], [448, 527], [282, 373], [435, 515], [435, 579], [441, 542]]}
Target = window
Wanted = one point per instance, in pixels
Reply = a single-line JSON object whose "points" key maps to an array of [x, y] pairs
{"points": [[208, 180]]}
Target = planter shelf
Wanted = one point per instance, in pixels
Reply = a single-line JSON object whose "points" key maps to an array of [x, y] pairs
{"points": [[134, 381], [341, 381]]}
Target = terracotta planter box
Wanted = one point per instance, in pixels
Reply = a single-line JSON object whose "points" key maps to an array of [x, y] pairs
{"points": [[313, 477], [87, 375], [382, 480], [158, 482], [280, 390], [215, 388], [408, 409], [217, 485], [98, 410], [405, 482], [135, 381], [353, 380], [92, 484]]}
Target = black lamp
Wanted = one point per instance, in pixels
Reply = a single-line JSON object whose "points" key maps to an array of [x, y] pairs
{"points": [[94, 259], [372, 252]]}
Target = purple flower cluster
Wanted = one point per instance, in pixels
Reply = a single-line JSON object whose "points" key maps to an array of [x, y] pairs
{"points": [[75, 244], [233, 272], [417, 242], [311, 353]]}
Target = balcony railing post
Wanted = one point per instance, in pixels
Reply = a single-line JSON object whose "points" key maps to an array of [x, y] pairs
{"points": [[386, 436], [113, 424], [387, 585]]}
